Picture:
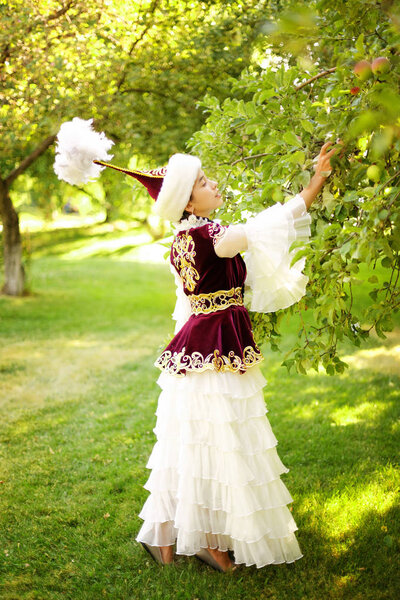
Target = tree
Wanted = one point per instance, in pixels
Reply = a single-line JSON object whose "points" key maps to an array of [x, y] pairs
{"points": [[138, 68], [261, 143]]}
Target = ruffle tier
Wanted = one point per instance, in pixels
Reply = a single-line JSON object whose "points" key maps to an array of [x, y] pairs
{"points": [[215, 472]]}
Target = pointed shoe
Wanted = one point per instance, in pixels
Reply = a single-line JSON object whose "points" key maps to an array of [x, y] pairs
{"points": [[155, 553], [205, 557]]}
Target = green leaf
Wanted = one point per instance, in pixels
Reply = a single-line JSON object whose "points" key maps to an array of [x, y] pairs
{"points": [[289, 362], [297, 157], [345, 249], [291, 139], [307, 126], [330, 369], [298, 255], [265, 95], [300, 368], [360, 43], [328, 200], [303, 178]]}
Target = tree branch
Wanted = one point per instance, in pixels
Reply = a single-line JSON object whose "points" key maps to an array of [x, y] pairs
{"points": [[61, 12], [135, 43], [30, 159], [244, 158], [322, 74], [5, 54], [144, 91]]}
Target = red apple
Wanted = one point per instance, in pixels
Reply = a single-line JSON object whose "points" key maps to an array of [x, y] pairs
{"points": [[362, 70], [354, 91], [380, 65]]}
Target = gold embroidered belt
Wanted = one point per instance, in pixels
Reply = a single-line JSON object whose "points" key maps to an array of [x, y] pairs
{"points": [[203, 304]]}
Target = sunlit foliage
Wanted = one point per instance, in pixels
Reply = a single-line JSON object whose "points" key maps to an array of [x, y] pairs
{"points": [[261, 143]]}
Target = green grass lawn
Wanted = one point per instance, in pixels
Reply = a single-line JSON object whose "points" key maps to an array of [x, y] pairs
{"points": [[78, 396]]}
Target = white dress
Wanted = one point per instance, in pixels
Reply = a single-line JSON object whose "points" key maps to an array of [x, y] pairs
{"points": [[215, 472]]}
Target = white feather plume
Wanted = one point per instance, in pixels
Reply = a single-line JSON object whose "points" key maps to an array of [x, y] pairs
{"points": [[78, 145]]}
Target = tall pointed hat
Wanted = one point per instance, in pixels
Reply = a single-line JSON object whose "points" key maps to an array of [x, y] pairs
{"points": [[151, 179], [81, 153]]}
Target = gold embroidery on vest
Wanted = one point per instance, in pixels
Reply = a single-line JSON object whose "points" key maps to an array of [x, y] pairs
{"points": [[216, 232], [203, 304], [183, 258]]}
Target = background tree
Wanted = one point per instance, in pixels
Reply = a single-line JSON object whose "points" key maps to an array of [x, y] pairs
{"points": [[261, 146], [138, 68]]}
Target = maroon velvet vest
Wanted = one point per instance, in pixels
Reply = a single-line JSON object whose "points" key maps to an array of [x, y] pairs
{"points": [[218, 335]]}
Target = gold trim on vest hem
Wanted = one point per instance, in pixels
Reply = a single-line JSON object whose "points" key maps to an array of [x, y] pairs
{"points": [[175, 362]]}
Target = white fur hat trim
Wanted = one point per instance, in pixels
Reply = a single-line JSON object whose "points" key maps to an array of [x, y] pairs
{"points": [[182, 172]]}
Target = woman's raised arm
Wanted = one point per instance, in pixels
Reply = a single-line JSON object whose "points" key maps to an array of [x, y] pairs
{"points": [[236, 239], [322, 170]]}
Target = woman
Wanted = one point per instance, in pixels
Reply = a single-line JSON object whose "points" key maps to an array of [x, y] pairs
{"points": [[215, 487]]}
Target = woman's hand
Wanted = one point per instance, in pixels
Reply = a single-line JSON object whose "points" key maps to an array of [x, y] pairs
{"points": [[323, 169]]}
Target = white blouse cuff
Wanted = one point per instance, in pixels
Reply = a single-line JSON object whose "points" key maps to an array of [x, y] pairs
{"points": [[272, 284]]}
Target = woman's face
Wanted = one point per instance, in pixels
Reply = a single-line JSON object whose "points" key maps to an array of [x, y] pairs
{"points": [[205, 196]]}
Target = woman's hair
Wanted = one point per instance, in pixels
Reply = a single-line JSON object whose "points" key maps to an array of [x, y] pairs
{"points": [[186, 214]]}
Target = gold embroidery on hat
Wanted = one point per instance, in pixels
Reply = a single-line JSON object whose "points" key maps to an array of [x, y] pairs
{"points": [[196, 362], [183, 254], [158, 173], [204, 304]]}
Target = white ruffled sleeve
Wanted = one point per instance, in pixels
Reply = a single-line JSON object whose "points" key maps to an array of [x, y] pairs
{"points": [[182, 310], [272, 283]]}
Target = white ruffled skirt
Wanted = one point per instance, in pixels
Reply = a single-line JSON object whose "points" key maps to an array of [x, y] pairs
{"points": [[215, 472]]}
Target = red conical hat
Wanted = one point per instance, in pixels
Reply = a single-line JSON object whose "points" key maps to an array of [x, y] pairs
{"points": [[152, 179], [80, 148], [170, 186]]}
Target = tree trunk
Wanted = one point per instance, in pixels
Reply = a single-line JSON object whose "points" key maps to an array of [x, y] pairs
{"points": [[14, 274]]}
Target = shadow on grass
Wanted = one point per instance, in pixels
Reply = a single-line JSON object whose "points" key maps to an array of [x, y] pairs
{"points": [[342, 428], [340, 437], [121, 251], [375, 551], [56, 242]]}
